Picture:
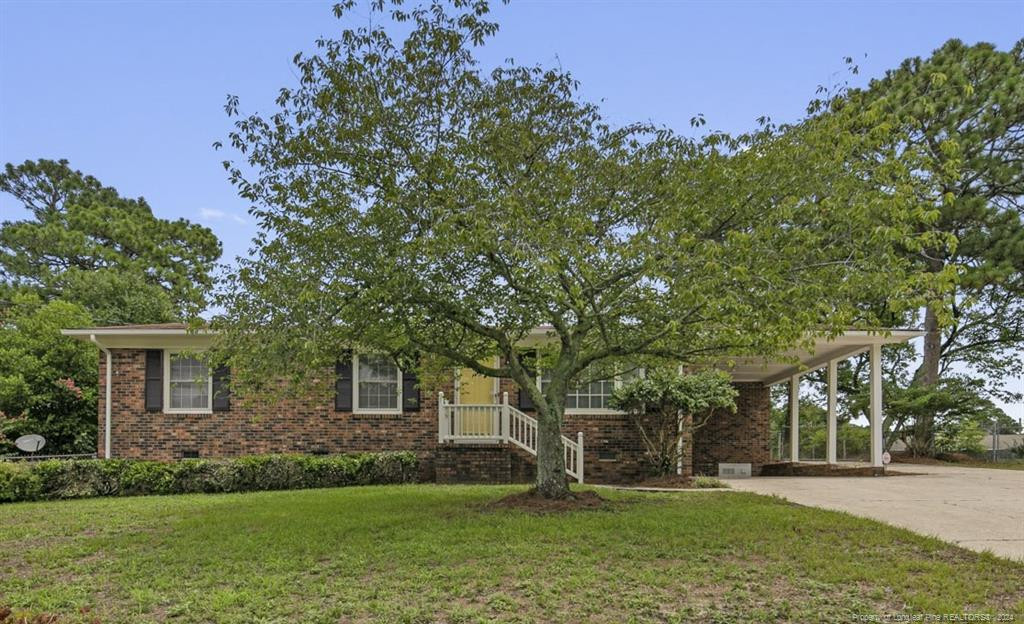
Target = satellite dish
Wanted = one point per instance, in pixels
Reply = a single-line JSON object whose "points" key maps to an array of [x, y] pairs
{"points": [[30, 443]]}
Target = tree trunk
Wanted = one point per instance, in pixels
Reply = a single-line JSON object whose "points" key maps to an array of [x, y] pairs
{"points": [[551, 479], [928, 375], [684, 450]]}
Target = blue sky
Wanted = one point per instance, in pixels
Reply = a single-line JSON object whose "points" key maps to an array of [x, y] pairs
{"points": [[133, 92]]}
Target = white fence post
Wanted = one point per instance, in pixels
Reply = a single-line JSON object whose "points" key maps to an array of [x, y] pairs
{"points": [[441, 420], [579, 457], [505, 417]]}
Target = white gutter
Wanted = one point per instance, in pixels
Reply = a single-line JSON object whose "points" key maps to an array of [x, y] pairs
{"points": [[106, 402], [134, 331]]}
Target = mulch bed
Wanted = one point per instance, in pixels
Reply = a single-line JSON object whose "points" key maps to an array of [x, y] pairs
{"points": [[789, 469], [530, 502], [942, 459]]}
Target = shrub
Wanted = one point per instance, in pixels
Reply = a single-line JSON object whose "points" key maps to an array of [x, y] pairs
{"points": [[667, 407], [16, 483], [62, 479], [959, 436], [705, 482]]}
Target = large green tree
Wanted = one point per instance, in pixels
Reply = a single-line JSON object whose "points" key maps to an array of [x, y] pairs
{"points": [[413, 203], [84, 242], [960, 114], [47, 381], [82, 256], [962, 109]]}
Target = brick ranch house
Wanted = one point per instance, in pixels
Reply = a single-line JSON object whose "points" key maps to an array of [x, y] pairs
{"points": [[157, 402]]}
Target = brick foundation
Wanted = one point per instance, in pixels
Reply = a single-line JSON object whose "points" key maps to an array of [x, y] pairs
{"points": [[473, 463]]}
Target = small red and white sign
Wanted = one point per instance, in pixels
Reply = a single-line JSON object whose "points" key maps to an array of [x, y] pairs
{"points": [[886, 458]]}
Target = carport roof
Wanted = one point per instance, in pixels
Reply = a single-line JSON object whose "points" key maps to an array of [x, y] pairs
{"points": [[848, 344]]}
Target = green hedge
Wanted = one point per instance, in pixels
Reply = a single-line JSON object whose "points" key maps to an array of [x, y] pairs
{"points": [[59, 479]]}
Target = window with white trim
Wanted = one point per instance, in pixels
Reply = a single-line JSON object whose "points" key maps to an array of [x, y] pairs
{"points": [[593, 395], [189, 386], [378, 384]]}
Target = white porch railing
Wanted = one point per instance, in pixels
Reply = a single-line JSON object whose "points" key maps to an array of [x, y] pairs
{"points": [[484, 423]]}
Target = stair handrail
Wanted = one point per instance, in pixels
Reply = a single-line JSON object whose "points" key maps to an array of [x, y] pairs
{"points": [[514, 427]]}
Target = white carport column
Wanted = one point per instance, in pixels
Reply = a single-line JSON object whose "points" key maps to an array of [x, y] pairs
{"points": [[876, 405], [794, 418], [830, 445]]}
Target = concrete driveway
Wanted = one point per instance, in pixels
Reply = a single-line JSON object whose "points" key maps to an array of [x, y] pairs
{"points": [[977, 508]]}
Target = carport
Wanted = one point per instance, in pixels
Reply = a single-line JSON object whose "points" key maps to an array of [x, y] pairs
{"points": [[827, 353]]}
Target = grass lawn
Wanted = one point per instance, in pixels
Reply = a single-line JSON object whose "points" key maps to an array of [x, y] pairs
{"points": [[1004, 464], [428, 553], [1012, 464]]}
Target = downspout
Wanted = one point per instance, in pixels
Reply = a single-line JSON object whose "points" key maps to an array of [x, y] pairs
{"points": [[106, 401]]}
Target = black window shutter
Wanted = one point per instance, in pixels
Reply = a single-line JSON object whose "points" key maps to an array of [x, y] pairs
{"points": [[154, 380], [343, 383], [410, 392], [525, 402], [529, 362], [221, 391]]}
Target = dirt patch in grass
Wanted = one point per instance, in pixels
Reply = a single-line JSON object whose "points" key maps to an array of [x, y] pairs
{"points": [[530, 502], [900, 458], [942, 459], [11, 616], [956, 458]]}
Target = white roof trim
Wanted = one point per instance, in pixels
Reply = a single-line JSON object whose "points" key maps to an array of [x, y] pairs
{"points": [[544, 330], [741, 368], [133, 331]]}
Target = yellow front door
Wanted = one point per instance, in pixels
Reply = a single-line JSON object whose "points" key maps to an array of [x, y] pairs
{"points": [[475, 389]]}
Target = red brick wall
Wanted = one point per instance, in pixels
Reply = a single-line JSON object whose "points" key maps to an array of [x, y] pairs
{"points": [[613, 451], [741, 437], [305, 425], [473, 463], [523, 466]]}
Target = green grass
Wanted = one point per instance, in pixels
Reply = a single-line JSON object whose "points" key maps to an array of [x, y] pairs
{"points": [[702, 482], [1005, 464], [430, 553]]}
